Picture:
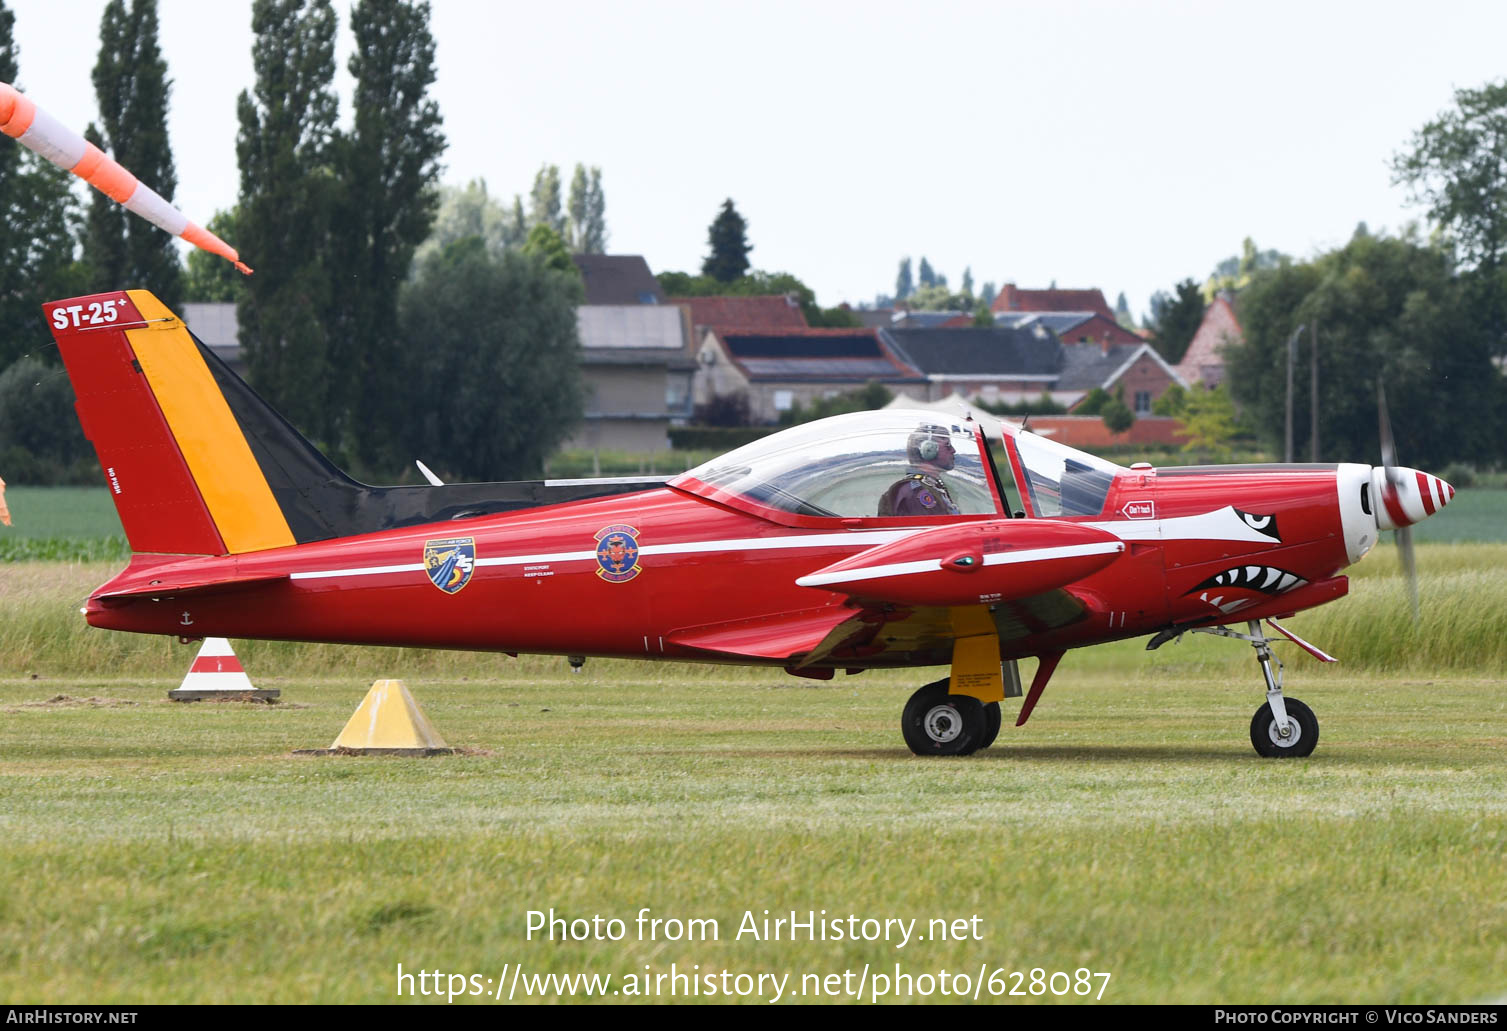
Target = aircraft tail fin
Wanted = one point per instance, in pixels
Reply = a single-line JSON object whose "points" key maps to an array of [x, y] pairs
{"points": [[182, 474]]}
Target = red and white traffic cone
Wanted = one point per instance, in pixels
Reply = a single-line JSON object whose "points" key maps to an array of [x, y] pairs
{"points": [[217, 673]]}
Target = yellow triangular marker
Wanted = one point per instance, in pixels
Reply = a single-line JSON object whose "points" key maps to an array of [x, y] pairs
{"points": [[389, 721]]}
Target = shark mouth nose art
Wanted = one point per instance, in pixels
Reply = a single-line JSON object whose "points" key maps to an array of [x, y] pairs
{"points": [[1267, 580]]}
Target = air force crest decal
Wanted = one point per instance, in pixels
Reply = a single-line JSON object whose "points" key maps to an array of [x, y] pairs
{"points": [[449, 563], [617, 553]]}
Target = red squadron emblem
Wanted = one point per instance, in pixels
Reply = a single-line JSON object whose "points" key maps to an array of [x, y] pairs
{"points": [[617, 553]]}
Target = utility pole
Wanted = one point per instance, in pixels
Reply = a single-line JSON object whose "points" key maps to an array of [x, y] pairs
{"points": [[1313, 398], [1292, 350]]}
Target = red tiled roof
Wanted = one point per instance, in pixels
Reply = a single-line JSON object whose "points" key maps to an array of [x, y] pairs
{"points": [[1012, 298], [747, 313]]}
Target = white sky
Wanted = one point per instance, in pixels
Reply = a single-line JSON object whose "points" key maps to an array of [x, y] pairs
{"points": [[1118, 145]]}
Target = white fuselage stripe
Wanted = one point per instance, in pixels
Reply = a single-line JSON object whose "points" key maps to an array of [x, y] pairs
{"points": [[818, 540], [930, 565]]}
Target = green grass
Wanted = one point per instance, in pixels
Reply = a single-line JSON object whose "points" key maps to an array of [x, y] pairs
{"points": [[160, 852], [155, 852]]}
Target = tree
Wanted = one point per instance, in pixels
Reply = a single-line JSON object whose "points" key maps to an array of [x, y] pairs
{"points": [[466, 211], [40, 438], [1457, 165], [1117, 415], [968, 281], [728, 238], [1122, 312], [926, 275], [544, 200], [548, 249], [288, 192], [1233, 273], [904, 284], [938, 297], [39, 217], [1209, 422], [131, 87], [1388, 308], [387, 169], [493, 361], [1177, 320], [588, 212]]}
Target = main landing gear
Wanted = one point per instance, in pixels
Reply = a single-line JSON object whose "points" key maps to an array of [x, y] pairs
{"points": [[1283, 728], [937, 723]]}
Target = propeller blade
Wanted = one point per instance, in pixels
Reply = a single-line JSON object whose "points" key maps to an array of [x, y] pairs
{"points": [[1388, 447], [1409, 566], [1391, 477]]}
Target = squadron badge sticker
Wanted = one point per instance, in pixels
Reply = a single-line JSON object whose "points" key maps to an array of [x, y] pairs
{"points": [[450, 562], [617, 553]]}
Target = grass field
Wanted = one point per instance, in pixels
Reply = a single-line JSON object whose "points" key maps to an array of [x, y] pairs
{"points": [[151, 851]]}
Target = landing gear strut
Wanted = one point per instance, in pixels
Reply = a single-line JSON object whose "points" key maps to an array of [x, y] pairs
{"points": [[1283, 728]]}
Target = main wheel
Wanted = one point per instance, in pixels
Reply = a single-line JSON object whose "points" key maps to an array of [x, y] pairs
{"points": [[938, 723], [1302, 731], [992, 722]]}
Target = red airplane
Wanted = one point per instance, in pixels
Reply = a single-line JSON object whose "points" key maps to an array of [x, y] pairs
{"points": [[992, 546]]}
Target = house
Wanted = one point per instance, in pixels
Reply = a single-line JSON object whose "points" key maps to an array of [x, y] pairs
{"points": [[636, 370], [991, 364], [1013, 299], [618, 279], [778, 369], [1203, 362], [1073, 327], [214, 323], [721, 314], [1136, 369], [1001, 364]]}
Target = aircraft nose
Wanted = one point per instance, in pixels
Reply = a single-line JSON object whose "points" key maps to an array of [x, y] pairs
{"points": [[1407, 496]]}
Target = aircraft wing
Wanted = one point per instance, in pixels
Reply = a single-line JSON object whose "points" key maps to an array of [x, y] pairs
{"points": [[911, 634], [780, 635]]}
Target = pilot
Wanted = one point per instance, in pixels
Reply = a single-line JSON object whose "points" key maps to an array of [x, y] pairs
{"points": [[922, 491]]}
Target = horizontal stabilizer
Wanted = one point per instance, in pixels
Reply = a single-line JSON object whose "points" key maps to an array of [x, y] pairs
{"points": [[973, 563], [173, 586]]}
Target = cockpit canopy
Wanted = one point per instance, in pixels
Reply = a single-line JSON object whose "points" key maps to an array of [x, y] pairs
{"points": [[844, 466]]}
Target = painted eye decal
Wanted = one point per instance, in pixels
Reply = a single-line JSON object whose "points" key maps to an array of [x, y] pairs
{"points": [[1263, 524]]}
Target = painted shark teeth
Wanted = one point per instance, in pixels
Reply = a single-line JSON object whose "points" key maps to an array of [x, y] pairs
{"points": [[1264, 579]]}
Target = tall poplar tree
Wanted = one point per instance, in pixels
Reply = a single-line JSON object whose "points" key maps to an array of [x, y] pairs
{"points": [[284, 146], [388, 170], [587, 232], [131, 88]]}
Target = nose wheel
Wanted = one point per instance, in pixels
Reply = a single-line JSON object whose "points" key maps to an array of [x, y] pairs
{"points": [[1293, 741]]}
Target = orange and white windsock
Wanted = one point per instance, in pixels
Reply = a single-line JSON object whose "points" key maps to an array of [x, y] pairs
{"points": [[38, 131]]}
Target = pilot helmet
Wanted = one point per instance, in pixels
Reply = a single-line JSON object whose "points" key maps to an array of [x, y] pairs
{"points": [[931, 444]]}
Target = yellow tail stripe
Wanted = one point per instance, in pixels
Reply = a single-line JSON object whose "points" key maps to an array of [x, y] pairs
{"points": [[227, 474]]}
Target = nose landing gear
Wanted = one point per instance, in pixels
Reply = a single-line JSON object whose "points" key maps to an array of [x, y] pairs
{"points": [[1283, 728]]}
